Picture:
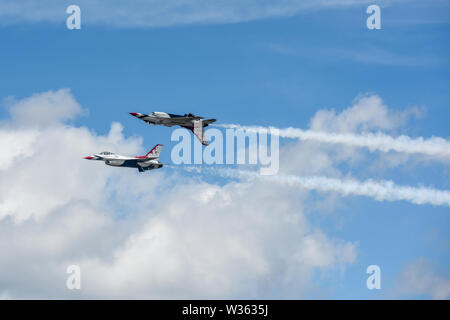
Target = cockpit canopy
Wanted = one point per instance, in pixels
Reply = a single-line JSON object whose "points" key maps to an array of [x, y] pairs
{"points": [[189, 115], [106, 153], [160, 114]]}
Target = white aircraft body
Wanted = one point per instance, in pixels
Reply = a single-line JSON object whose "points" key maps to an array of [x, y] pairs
{"points": [[188, 121], [143, 163]]}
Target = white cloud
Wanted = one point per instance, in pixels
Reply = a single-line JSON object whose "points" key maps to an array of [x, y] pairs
{"points": [[163, 12], [420, 278], [15, 145], [44, 109], [364, 54], [367, 112], [160, 234], [239, 243], [157, 234]]}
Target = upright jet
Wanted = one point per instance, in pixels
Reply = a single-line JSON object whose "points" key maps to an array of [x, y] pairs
{"points": [[187, 121], [147, 162]]}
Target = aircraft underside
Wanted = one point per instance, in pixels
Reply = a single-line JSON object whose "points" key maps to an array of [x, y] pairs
{"points": [[141, 166]]}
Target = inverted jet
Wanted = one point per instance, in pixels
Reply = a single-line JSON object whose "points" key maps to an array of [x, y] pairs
{"points": [[188, 121], [143, 163]]}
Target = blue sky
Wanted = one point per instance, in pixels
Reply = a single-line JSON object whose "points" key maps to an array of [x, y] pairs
{"points": [[275, 71]]}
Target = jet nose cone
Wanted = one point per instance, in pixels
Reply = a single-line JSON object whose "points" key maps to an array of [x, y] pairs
{"points": [[89, 158], [134, 114]]}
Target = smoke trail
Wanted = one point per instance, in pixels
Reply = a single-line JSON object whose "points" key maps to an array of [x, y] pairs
{"points": [[434, 146], [379, 190]]}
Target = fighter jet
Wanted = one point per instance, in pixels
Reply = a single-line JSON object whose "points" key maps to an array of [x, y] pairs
{"points": [[188, 121], [143, 163]]}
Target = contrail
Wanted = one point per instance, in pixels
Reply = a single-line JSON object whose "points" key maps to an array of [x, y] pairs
{"points": [[434, 146], [379, 190]]}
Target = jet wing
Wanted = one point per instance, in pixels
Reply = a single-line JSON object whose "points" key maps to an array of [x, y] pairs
{"points": [[186, 121], [181, 121], [172, 119], [208, 122]]}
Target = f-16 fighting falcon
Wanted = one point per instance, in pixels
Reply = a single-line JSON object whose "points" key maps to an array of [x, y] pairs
{"points": [[188, 121], [143, 163]]}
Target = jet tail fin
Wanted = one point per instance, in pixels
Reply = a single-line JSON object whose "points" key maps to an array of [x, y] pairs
{"points": [[154, 153]]}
